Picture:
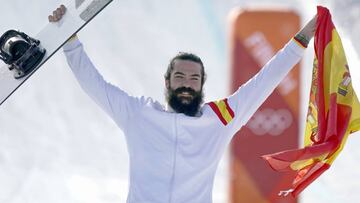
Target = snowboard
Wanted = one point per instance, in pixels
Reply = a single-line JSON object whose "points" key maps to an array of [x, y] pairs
{"points": [[52, 37]]}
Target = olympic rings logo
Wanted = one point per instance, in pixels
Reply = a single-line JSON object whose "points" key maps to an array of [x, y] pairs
{"points": [[273, 122]]}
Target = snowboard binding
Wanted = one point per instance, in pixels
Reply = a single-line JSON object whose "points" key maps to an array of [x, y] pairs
{"points": [[21, 52]]}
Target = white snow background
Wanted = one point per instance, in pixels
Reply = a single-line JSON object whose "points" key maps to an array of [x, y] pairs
{"points": [[57, 146]]}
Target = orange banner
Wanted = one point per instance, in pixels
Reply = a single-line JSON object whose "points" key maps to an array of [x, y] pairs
{"points": [[256, 36]]}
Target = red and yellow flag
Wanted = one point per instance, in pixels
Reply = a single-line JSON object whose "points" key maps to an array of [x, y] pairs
{"points": [[333, 112]]}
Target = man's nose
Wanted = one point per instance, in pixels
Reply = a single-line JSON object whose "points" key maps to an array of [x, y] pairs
{"points": [[186, 84]]}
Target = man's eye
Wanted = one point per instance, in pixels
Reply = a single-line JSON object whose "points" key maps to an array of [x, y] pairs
{"points": [[195, 79], [179, 76]]}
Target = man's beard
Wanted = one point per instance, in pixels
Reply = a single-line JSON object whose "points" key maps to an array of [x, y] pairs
{"points": [[186, 105]]}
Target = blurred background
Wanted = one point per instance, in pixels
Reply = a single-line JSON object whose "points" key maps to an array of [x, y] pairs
{"points": [[56, 145]]}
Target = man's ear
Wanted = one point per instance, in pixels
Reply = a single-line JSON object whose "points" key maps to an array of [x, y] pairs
{"points": [[167, 84]]}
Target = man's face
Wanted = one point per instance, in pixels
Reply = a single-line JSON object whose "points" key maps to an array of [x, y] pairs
{"points": [[184, 89]]}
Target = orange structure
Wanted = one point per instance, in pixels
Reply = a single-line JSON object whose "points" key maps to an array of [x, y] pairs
{"points": [[256, 36]]}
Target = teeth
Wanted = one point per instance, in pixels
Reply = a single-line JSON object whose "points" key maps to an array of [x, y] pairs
{"points": [[185, 94]]}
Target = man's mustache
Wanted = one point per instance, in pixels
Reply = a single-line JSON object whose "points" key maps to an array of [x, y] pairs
{"points": [[184, 89]]}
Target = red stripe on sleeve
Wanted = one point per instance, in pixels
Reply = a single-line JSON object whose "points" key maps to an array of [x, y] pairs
{"points": [[217, 111], [231, 112], [300, 42]]}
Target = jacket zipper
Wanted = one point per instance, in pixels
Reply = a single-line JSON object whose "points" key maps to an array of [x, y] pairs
{"points": [[174, 162]]}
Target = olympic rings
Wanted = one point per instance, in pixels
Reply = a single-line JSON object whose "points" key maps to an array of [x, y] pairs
{"points": [[273, 122]]}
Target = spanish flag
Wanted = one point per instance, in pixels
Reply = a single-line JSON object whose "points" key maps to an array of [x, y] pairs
{"points": [[333, 112]]}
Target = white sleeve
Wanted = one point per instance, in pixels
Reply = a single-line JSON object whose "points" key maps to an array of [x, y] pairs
{"points": [[249, 97], [114, 101]]}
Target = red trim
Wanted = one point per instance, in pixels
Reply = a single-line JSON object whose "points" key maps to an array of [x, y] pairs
{"points": [[323, 36], [311, 174], [215, 108], [231, 112], [300, 42]]}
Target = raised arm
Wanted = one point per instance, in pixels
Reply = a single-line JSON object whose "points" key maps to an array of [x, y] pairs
{"points": [[248, 98], [116, 103]]}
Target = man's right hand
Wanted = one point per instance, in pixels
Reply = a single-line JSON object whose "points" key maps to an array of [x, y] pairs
{"points": [[57, 14]]}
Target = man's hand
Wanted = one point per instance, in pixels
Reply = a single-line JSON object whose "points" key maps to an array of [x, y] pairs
{"points": [[57, 14], [307, 32], [310, 28]]}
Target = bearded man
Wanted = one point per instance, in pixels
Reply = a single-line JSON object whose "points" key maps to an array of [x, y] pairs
{"points": [[174, 150]]}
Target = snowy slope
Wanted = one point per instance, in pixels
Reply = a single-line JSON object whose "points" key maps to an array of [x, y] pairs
{"points": [[56, 145]]}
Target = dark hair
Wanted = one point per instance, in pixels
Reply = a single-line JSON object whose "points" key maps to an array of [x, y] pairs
{"points": [[188, 57]]}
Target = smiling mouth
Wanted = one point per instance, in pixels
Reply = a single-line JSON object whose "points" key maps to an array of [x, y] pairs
{"points": [[185, 94]]}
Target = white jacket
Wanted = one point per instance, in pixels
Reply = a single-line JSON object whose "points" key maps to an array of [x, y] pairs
{"points": [[173, 157]]}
